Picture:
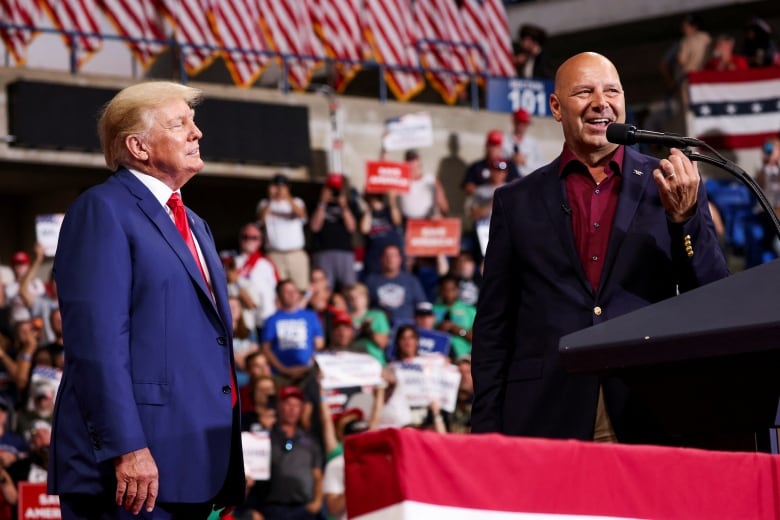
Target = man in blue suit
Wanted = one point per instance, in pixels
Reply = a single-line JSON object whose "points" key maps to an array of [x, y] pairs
{"points": [[599, 232], [146, 422]]}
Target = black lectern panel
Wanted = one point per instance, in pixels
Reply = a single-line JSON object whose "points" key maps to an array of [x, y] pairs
{"points": [[705, 364]]}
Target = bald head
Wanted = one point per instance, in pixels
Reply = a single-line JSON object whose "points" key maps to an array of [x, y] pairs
{"points": [[588, 96]]}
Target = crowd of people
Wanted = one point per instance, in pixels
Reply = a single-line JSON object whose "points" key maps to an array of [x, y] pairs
{"points": [[295, 289]]}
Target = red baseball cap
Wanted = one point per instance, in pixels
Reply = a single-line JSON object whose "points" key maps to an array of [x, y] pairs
{"points": [[521, 115], [335, 181], [495, 137], [20, 257], [341, 318], [290, 391]]}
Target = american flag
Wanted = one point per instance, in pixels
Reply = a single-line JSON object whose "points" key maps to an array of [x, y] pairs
{"points": [[738, 109], [137, 19], [340, 28], [192, 31], [19, 12], [288, 26], [390, 31], [441, 20], [237, 26], [486, 24], [77, 16]]}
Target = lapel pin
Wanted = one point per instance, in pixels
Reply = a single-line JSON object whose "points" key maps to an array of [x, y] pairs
{"points": [[637, 172]]}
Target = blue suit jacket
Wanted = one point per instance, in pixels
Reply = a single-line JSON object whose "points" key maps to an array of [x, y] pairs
{"points": [[148, 351], [535, 291]]}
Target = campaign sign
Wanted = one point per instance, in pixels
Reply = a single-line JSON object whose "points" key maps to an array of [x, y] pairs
{"points": [[509, 94], [257, 454], [35, 503], [47, 231], [433, 237], [384, 176], [348, 369], [408, 131], [428, 378]]}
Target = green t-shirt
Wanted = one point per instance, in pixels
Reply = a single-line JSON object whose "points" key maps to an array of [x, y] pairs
{"points": [[462, 315], [379, 325]]}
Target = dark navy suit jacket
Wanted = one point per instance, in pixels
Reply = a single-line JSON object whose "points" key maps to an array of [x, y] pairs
{"points": [[535, 291], [148, 350]]}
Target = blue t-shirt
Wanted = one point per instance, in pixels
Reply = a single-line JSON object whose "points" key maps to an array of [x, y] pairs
{"points": [[396, 296], [291, 335]]}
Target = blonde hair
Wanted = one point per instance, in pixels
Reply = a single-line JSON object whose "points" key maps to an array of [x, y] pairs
{"points": [[129, 112]]}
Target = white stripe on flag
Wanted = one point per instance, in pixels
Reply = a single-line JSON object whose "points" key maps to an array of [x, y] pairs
{"points": [[747, 124], [734, 91], [410, 510]]}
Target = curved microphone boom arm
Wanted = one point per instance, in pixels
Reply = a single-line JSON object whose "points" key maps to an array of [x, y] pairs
{"points": [[736, 171]]}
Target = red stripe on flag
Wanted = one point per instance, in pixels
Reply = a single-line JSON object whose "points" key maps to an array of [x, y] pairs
{"points": [[76, 16], [137, 19], [19, 12]]}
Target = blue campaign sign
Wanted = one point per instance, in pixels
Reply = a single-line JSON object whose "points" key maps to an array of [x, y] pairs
{"points": [[433, 341], [509, 94]]}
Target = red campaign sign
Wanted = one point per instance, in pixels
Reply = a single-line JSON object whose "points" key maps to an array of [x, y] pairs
{"points": [[384, 176], [433, 237], [35, 503]]}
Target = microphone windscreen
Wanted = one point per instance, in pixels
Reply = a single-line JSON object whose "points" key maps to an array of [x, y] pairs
{"points": [[619, 133]]}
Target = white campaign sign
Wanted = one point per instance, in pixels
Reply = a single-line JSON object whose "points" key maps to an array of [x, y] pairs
{"points": [[408, 131], [47, 231], [429, 378], [348, 369], [257, 454]]}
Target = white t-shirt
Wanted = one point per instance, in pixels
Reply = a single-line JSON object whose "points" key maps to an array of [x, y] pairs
{"points": [[421, 199], [529, 147], [261, 286], [283, 228], [333, 480]]}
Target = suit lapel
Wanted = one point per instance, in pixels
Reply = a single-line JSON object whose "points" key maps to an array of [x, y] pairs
{"points": [[635, 176], [214, 266], [151, 207], [555, 202]]}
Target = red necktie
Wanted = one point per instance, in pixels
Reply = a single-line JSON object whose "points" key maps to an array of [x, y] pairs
{"points": [[180, 218]]}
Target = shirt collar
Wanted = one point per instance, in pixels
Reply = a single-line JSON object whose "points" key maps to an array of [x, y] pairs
{"points": [[569, 162], [159, 189]]}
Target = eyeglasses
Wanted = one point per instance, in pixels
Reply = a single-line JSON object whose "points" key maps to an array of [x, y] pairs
{"points": [[288, 445], [250, 237]]}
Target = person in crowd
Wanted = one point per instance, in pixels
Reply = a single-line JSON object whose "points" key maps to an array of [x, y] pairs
{"points": [[768, 172], [530, 59], [332, 225], [21, 294], [372, 327], [295, 488], [394, 291], [520, 147], [342, 338], [262, 415], [245, 340], [481, 204], [291, 337], [284, 216], [426, 198], [42, 399], [464, 269], [724, 57], [454, 317], [381, 225], [257, 275], [459, 421], [57, 346], [629, 230], [149, 379], [759, 45], [478, 172], [430, 340], [33, 467], [257, 366], [12, 446], [407, 343], [688, 55]]}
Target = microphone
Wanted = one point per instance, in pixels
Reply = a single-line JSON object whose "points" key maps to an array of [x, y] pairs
{"points": [[627, 134]]}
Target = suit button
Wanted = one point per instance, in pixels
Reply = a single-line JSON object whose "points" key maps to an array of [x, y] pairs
{"points": [[222, 341], [226, 389], [597, 310]]}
